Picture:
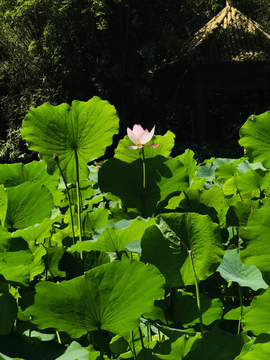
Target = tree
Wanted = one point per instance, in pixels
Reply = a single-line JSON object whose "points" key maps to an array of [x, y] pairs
{"points": [[61, 50]]}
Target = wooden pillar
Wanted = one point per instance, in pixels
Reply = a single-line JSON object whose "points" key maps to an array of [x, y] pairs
{"points": [[199, 110]]}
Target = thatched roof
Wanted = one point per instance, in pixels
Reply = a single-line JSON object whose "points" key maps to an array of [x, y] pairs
{"points": [[231, 37]]}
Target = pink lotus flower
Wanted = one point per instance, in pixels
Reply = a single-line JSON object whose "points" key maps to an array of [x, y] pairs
{"points": [[140, 137]]}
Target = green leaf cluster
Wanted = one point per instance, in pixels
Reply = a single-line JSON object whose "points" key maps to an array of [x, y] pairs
{"points": [[100, 262]]}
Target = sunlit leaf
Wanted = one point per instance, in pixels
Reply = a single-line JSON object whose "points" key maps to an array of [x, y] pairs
{"points": [[28, 204], [207, 169], [166, 143], [232, 269], [257, 348], [5, 238], [166, 246], [113, 239], [13, 174], [16, 174], [258, 318], [112, 296], [256, 238], [3, 204], [13, 273], [95, 220], [76, 351], [235, 314], [238, 213], [206, 202], [255, 138], [81, 131], [225, 172]]}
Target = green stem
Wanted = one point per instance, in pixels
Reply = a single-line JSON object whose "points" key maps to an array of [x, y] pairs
{"points": [[143, 190], [149, 335], [133, 344], [241, 308], [141, 337], [240, 194], [191, 256], [159, 336], [58, 337], [101, 346], [68, 195], [78, 199]]}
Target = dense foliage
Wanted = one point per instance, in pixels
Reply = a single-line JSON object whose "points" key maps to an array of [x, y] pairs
{"points": [[57, 51], [141, 256]]}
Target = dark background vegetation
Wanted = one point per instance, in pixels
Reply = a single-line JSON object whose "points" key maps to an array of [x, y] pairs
{"points": [[62, 50]]}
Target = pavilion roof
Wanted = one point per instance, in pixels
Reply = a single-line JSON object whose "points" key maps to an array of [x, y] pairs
{"points": [[231, 37]]}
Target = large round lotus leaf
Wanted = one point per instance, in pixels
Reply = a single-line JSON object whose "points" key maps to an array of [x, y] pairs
{"points": [[164, 178], [28, 204], [166, 143], [255, 137], [257, 320], [112, 296], [232, 269], [256, 238], [166, 246], [83, 130]]}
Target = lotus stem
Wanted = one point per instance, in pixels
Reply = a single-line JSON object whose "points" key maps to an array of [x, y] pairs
{"points": [[78, 199], [101, 346], [143, 190], [191, 256], [58, 337], [133, 345], [241, 308], [55, 156], [149, 335], [143, 348]]}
